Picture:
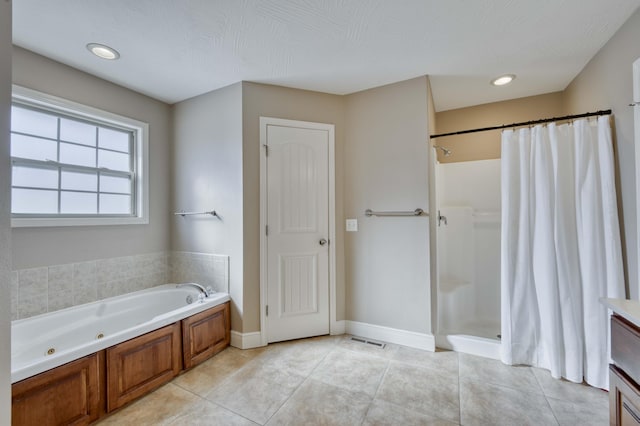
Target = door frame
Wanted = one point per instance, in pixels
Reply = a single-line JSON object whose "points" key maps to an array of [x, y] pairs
{"points": [[330, 128], [635, 106]]}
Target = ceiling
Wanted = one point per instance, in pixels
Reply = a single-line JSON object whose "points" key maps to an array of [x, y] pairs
{"points": [[176, 49]]}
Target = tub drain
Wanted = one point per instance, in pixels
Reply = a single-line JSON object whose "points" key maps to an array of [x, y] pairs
{"points": [[51, 351], [100, 336]]}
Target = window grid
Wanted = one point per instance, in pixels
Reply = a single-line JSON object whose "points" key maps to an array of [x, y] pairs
{"points": [[97, 171]]}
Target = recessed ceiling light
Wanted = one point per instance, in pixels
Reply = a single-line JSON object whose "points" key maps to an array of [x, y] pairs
{"points": [[503, 79], [102, 51]]}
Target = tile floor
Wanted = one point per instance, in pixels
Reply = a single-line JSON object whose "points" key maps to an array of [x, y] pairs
{"points": [[335, 381]]}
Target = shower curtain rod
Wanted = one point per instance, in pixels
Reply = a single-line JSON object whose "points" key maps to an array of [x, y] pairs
{"points": [[525, 123]]}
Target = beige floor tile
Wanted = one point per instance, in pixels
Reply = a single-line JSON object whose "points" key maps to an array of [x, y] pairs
{"points": [[424, 390], [206, 414], [485, 370], [353, 371], [332, 380], [256, 352], [568, 391], [485, 404], [444, 361], [571, 413], [203, 378], [256, 391], [382, 413], [158, 408], [299, 357], [316, 403]]}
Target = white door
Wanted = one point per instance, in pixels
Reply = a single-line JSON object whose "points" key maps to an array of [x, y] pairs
{"points": [[297, 234]]}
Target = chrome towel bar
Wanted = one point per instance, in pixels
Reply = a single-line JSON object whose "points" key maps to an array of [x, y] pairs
{"points": [[416, 212], [183, 214]]}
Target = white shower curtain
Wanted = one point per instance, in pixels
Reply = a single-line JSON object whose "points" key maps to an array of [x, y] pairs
{"points": [[560, 248]]}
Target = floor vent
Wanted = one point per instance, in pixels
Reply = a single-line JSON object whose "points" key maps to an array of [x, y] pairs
{"points": [[368, 342]]}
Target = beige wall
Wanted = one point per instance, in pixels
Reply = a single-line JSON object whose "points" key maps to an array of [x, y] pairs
{"points": [[281, 102], [386, 158], [5, 208], [486, 145], [606, 82], [50, 246], [206, 150], [207, 174]]}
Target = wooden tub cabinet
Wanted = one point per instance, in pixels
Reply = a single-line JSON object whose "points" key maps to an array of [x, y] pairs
{"points": [[82, 391]]}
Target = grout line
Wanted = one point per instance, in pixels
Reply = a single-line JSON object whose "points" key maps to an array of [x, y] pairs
{"points": [[308, 377], [546, 398], [375, 394], [231, 411], [459, 389], [386, 370], [366, 413]]}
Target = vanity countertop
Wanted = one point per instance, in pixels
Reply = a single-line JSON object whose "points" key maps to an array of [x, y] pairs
{"points": [[627, 309]]}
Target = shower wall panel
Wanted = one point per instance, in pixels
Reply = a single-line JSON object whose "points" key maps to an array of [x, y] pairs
{"points": [[469, 248]]}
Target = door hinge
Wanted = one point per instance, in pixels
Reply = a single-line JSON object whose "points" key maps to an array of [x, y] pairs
{"points": [[267, 313], [266, 230], [266, 149]]}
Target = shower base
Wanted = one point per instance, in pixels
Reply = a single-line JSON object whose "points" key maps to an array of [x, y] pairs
{"points": [[479, 339]]}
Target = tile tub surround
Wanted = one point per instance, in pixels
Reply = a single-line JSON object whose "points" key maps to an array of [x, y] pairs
{"points": [[203, 268], [331, 380], [37, 291]]}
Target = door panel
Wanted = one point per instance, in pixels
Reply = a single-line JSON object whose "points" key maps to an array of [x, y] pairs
{"points": [[299, 284], [298, 228]]}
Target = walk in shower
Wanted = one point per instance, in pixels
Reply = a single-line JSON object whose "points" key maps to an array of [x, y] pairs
{"points": [[468, 250]]}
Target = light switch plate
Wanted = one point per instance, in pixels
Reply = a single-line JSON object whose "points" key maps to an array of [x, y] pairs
{"points": [[352, 225]]}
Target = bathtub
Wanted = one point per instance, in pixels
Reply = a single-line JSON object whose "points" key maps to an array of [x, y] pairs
{"points": [[49, 340]]}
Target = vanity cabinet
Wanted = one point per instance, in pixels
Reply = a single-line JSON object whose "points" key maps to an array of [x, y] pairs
{"points": [[142, 364], [205, 334], [67, 395], [624, 374]]}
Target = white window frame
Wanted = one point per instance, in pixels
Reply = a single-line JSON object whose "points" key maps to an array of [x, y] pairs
{"points": [[141, 146]]}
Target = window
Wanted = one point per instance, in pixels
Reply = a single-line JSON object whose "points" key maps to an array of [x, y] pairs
{"points": [[75, 165]]}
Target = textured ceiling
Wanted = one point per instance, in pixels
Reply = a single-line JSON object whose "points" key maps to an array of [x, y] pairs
{"points": [[175, 49]]}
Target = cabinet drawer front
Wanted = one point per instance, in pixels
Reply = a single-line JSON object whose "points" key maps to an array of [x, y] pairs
{"points": [[625, 346], [69, 395], [139, 365]]}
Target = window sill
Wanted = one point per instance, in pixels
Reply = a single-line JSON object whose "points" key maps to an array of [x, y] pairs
{"points": [[31, 222]]}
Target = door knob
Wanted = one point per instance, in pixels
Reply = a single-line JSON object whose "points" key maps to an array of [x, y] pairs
{"points": [[323, 242]]}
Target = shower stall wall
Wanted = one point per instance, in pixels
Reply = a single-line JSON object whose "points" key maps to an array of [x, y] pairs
{"points": [[468, 241]]}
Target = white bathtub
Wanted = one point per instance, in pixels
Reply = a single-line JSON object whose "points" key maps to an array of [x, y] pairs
{"points": [[82, 330]]}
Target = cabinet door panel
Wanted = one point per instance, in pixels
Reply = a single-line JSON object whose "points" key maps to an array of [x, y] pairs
{"points": [[139, 365], [69, 395], [205, 334]]}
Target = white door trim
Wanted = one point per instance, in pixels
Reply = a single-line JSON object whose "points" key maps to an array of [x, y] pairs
{"points": [[636, 125], [330, 128]]}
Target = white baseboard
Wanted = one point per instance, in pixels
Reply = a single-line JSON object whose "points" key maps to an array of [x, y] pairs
{"points": [[480, 346], [391, 335], [338, 327], [246, 340]]}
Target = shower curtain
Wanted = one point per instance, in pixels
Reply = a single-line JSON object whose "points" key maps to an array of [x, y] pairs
{"points": [[560, 248]]}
